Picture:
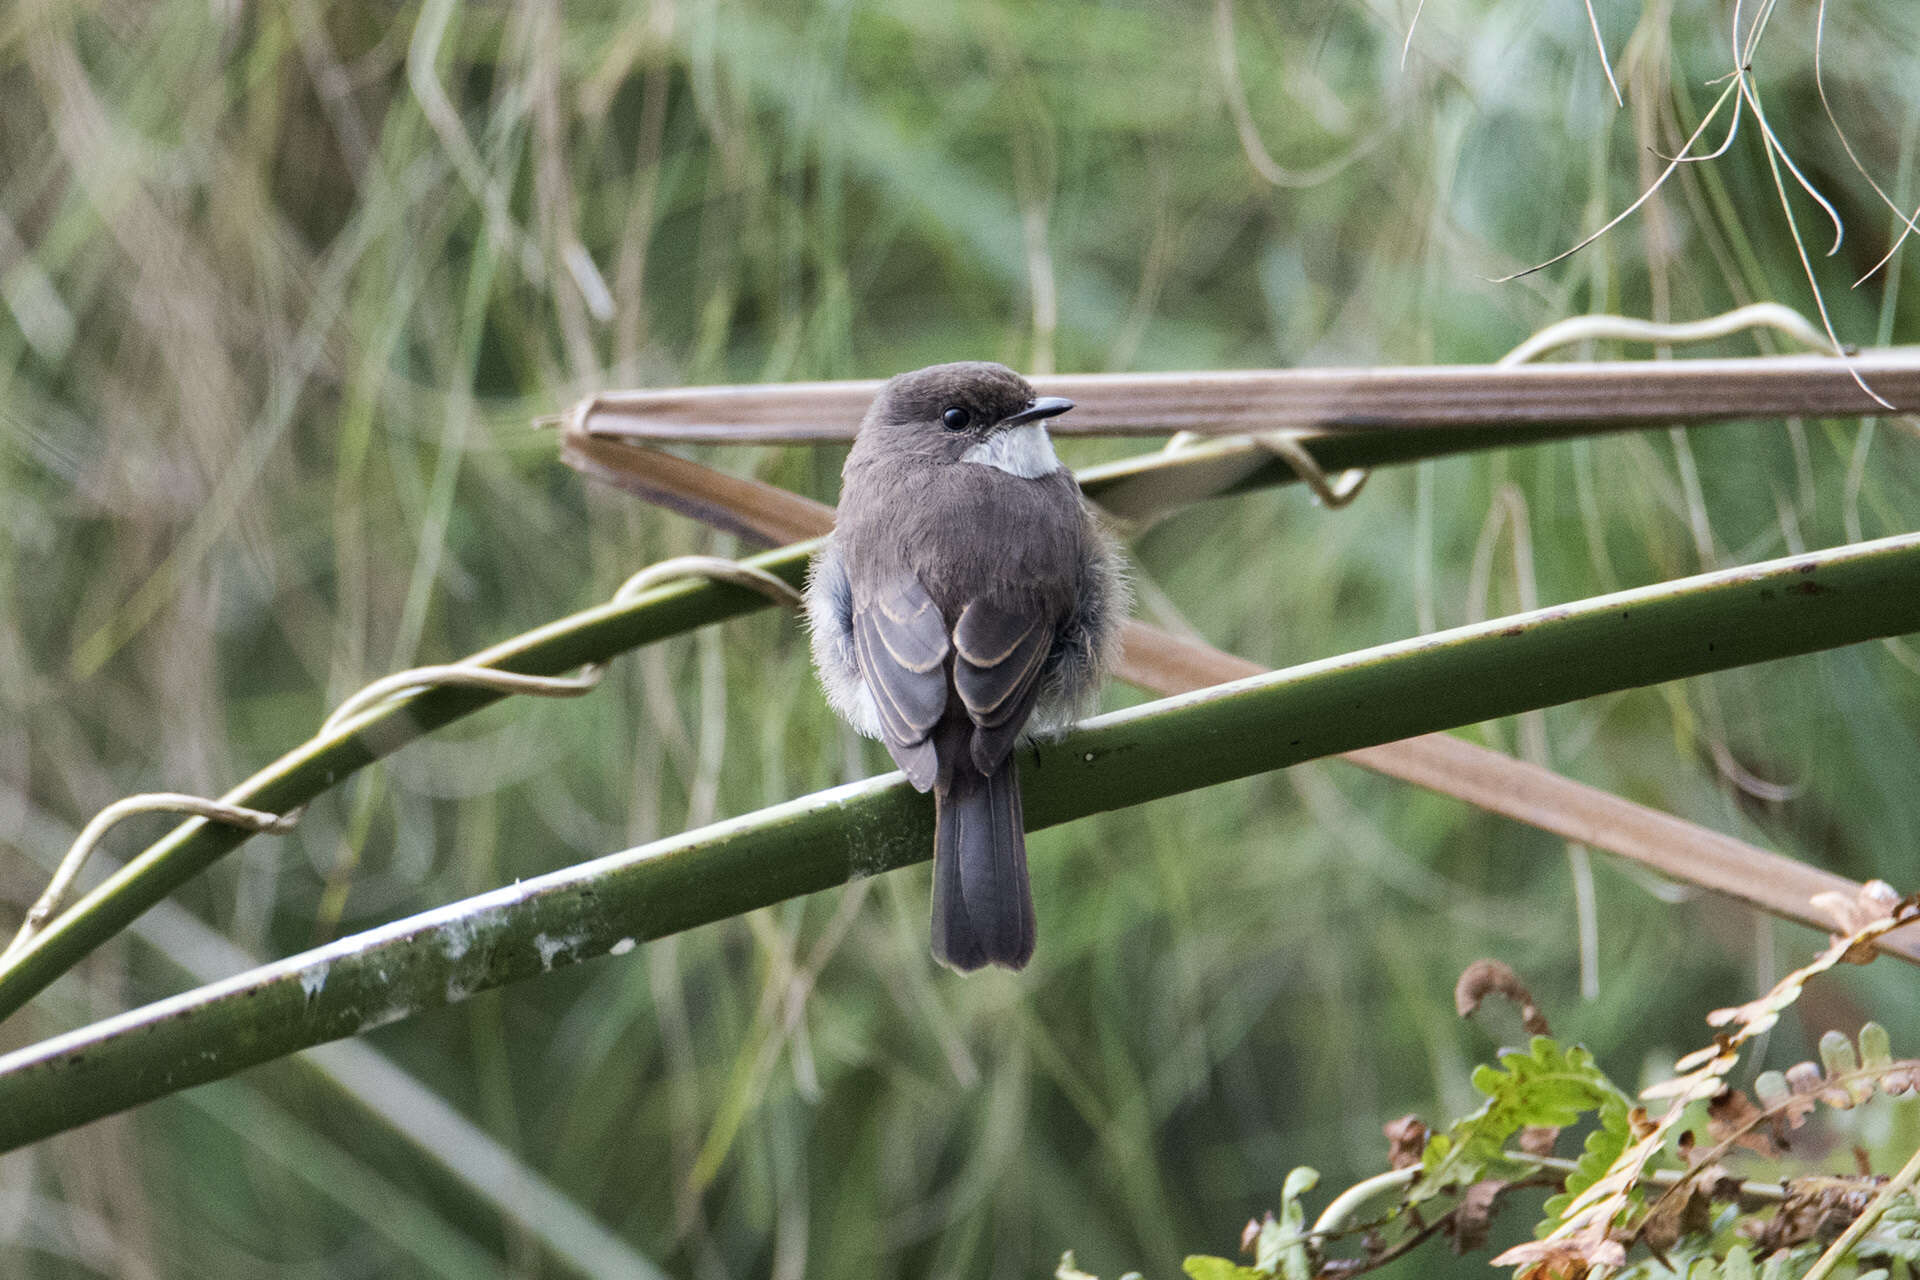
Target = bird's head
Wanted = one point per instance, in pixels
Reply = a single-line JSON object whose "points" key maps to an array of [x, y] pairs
{"points": [[972, 412]]}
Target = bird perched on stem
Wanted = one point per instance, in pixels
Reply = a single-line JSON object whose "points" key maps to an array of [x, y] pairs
{"points": [[965, 600]]}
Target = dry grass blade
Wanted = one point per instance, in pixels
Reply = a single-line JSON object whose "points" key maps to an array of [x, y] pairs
{"points": [[1255, 150], [153, 802], [1134, 491], [1777, 156], [1752, 96], [1243, 402], [1907, 224], [1164, 664], [1606, 65], [1644, 196], [1593, 20], [1406, 46], [1142, 488]]}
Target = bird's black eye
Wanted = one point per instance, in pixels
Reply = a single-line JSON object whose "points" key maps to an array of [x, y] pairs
{"points": [[957, 419]]}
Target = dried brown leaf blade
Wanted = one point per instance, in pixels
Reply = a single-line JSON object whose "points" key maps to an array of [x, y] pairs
{"points": [[1406, 1139], [1535, 401], [1732, 1117]]}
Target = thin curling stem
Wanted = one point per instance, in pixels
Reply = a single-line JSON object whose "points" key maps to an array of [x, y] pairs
{"points": [[377, 699], [404, 685], [233, 815]]}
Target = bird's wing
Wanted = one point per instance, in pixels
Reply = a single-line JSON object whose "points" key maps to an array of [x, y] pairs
{"points": [[900, 643], [1001, 648]]}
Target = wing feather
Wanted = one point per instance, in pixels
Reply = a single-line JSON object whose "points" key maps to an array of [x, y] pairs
{"points": [[900, 644], [1001, 650]]}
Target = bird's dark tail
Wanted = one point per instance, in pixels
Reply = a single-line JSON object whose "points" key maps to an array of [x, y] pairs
{"points": [[982, 908]]}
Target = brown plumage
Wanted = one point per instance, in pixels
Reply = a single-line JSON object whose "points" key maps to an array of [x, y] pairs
{"points": [[965, 588]]}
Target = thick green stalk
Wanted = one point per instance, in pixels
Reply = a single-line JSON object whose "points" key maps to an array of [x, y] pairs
{"points": [[1664, 632], [593, 635]]}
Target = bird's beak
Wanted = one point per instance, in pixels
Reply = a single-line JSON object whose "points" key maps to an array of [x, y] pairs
{"points": [[1044, 407]]}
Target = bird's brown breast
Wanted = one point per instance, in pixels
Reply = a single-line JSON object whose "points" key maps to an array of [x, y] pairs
{"points": [[968, 532]]}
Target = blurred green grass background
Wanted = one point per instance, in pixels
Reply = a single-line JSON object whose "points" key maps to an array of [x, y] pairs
{"points": [[286, 283]]}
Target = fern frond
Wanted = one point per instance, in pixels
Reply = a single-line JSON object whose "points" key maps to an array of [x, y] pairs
{"points": [[1546, 1086]]}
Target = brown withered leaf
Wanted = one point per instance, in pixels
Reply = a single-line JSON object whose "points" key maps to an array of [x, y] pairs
{"points": [[1719, 1055], [1901, 1077], [1816, 1208], [1719, 1184], [1875, 900], [1538, 1139], [1406, 1140], [1685, 1210], [1731, 1116], [762, 513], [1795, 1111], [1472, 1218], [1757, 1017], [1806, 1078], [1568, 1258], [1483, 978]]}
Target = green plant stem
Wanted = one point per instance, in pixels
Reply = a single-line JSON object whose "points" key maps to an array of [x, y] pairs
{"points": [[593, 635], [1338, 1214], [1340, 1210], [1785, 607]]}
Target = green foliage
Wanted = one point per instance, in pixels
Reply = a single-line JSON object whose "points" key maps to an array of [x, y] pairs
{"points": [[1738, 1263], [1070, 1270], [1621, 1209], [1846, 1076], [1202, 1267], [1280, 1244], [1545, 1086], [1603, 1145]]}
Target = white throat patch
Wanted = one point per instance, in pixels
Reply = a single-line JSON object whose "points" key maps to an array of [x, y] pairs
{"points": [[1025, 451]]}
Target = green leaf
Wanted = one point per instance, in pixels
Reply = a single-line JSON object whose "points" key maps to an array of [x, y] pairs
{"points": [[1069, 1269], [1876, 1047], [1547, 1086], [1787, 1263], [1202, 1267], [1282, 1244], [1603, 1146], [1895, 1236]]}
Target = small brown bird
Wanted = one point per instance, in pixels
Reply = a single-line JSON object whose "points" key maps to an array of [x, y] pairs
{"points": [[966, 600]]}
